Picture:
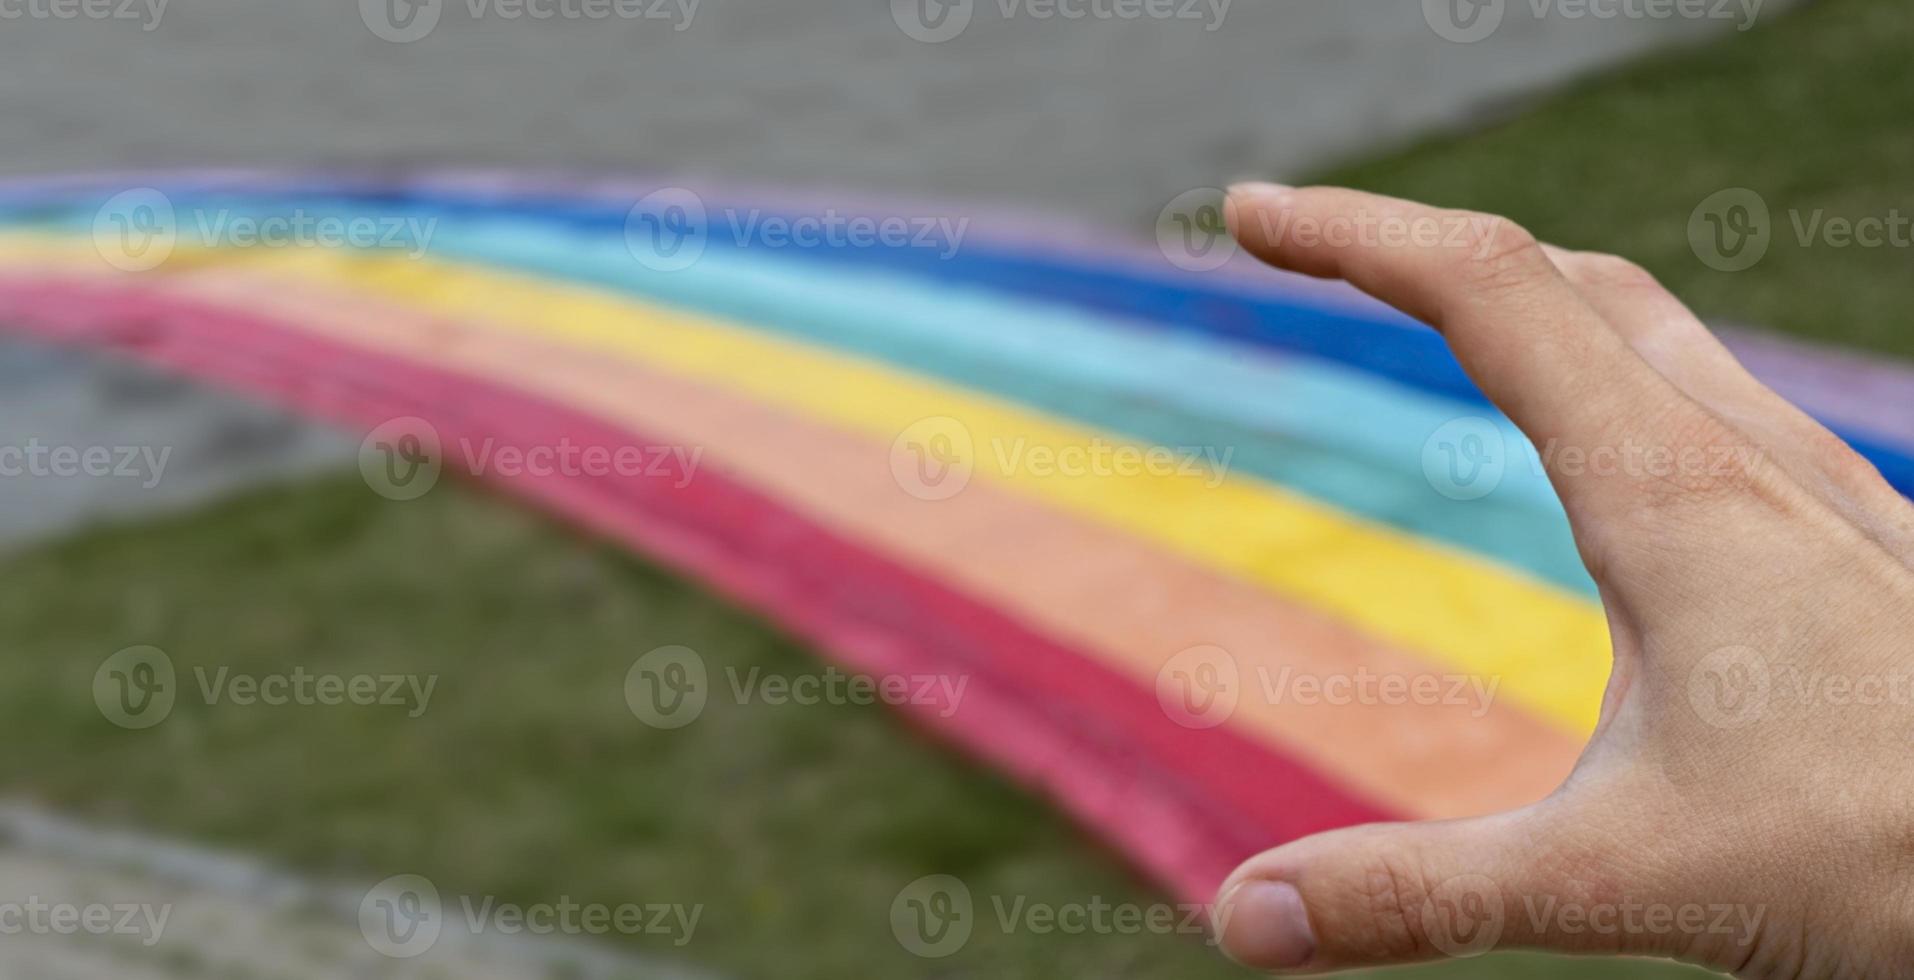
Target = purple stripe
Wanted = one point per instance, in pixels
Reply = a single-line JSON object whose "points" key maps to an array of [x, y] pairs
{"points": [[1867, 393]]}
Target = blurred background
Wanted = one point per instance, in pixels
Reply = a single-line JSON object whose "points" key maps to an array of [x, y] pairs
{"points": [[1597, 125]]}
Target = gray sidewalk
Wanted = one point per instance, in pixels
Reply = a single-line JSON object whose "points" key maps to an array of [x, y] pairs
{"points": [[1098, 117], [87, 437]]}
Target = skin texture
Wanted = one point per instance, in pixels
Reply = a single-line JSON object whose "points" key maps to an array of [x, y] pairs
{"points": [[1744, 802]]}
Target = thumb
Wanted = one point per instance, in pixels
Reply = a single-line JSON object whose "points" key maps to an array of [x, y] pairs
{"points": [[1400, 893]]}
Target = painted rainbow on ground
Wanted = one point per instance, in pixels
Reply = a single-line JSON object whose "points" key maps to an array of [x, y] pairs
{"points": [[1191, 539]]}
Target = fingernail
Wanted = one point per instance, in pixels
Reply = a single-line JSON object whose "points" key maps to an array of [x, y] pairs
{"points": [[1266, 926], [1258, 188]]}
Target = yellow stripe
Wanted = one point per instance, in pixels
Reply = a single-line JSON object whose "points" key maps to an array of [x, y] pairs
{"points": [[1549, 648]]}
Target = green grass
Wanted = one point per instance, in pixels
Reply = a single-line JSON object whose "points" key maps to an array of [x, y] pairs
{"points": [[1812, 110], [527, 777]]}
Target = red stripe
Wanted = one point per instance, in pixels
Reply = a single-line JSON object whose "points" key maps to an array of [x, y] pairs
{"points": [[1187, 805]]}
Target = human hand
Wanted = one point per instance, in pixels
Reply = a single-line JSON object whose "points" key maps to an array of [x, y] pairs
{"points": [[1717, 815]]}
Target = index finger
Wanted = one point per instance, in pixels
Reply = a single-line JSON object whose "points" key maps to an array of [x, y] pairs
{"points": [[1519, 329]]}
